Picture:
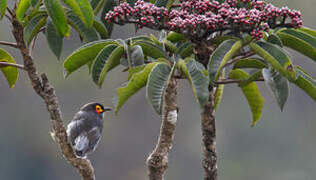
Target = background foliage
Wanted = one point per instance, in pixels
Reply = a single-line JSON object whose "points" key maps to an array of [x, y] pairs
{"points": [[240, 148]]}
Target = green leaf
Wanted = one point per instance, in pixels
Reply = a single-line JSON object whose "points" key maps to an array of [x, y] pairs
{"points": [[170, 46], [278, 85], [275, 56], [219, 39], [299, 41], [34, 3], [156, 85], [307, 30], [3, 8], [89, 64], [252, 94], [306, 82], [137, 56], [33, 27], [88, 34], [253, 77], [58, 16], [10, 73], [108, 6], [185, 49], [139, 38], [82, 9], [134, 70], [135, 83], [151, 49], [99, 27], [54, 40], [164, 3], [220, 57], [108, 58], [175, 37], [199, 82], [97, 5], [23, 6], [84, 54], [131, 2], [218, 95], [275, 40], [161, 3], [250, 63]]}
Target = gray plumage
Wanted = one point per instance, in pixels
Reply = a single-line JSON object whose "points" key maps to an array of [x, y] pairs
{"points": [[85, 130]]}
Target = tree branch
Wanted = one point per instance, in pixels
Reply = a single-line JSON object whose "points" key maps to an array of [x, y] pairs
{"points": [[43, 88], [236, 59], [8, 17], [6, 64], [10, 12], [157, 161], [11, 44], [209, 162]]}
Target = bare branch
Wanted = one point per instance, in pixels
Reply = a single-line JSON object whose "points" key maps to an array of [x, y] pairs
{"points": [[11, 44], [8, 17], [10, 12], [5, 64], [43, 88]]}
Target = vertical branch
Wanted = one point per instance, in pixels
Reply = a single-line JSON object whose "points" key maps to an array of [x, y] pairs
{"points": [[202, 53], [209, 139], [157, 161], [43, 88]]}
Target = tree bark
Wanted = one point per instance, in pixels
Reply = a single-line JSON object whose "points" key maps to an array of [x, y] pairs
{"points": [[202, 51], [209, 162], [43, 88], [157, 161]]}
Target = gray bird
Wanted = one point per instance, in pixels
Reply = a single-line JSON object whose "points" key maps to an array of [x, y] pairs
{"points": [[85, 129]]}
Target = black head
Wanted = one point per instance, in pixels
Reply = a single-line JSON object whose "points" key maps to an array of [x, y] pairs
{"points": [[95, 107]]}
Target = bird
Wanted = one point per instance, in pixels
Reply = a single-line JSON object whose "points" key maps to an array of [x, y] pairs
{"points": [[85, 129]]}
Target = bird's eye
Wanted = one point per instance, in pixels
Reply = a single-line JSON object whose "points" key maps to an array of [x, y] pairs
{"points": [[98, 109]]}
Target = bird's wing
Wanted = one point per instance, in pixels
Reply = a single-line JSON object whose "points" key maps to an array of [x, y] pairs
{"points": [[94, 137], [81, 144], [86, 142], [75, 127]]}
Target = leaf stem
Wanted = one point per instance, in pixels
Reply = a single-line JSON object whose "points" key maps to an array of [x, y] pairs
{"points": [[245, 55], [6, 64], [231, 81], [11, 44]]}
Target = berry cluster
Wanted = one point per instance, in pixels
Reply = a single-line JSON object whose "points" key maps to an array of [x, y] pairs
{"points": [[201, 18]]}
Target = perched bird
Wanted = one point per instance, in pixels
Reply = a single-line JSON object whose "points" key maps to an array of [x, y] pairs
{"points": [[85, 129]]}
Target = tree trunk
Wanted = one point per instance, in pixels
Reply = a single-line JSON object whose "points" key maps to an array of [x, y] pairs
{"points": [[43, 88], [157, 161], [209, 139], [202, 51]]}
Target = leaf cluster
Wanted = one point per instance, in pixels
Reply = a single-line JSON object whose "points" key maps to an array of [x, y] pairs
{"points": [[55, 19]]}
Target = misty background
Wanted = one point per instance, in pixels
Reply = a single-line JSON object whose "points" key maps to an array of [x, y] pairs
{"points": [[281, 146]]}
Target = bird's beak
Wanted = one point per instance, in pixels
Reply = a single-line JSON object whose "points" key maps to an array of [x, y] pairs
{"points": [[107, 109]]}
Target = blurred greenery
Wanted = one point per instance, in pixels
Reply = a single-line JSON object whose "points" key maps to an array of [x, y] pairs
{"points": [[281, 146]]}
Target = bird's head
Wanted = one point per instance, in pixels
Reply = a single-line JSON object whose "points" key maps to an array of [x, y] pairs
{"points": [[95, 107]]}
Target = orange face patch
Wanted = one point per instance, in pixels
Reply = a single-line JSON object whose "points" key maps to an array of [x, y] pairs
{"points": [[98, 109]]}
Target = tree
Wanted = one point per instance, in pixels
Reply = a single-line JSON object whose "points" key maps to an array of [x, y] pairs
{"points": [[199, 40], [31, 17], [202, 39]]}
